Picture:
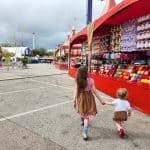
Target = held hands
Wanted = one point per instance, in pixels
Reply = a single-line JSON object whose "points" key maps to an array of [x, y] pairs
{"points": [[129, 114], [103, 103]]}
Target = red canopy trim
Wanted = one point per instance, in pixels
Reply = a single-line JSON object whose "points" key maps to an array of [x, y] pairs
{"points": [[76, 46], [79, 37], [115, 10], [134, 10], [127, 9]]}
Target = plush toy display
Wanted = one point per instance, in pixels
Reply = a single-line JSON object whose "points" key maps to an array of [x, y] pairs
{"points": [[133, 73], [106, 70]]}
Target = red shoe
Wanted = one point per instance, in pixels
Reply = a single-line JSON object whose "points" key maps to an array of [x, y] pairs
{"points": [[121, 132]]}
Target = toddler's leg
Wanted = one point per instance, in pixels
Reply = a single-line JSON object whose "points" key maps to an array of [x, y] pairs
{"points": [[122, 124], [120, 128], [118, 124]]}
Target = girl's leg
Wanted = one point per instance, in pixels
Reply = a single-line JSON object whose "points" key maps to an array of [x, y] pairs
{"points": [[85, 129], [82, 121]]}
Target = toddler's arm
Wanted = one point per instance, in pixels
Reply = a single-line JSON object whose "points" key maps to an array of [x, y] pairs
{"points": [[129, 112]]}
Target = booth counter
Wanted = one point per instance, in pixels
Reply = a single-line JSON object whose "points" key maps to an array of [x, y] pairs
{"points": [[121, 52], [139, 93], [72, 72], [61, 66]]}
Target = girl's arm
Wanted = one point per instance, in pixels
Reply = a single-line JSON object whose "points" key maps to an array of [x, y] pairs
{"points": [[97, 95], [75, 95], [109, 103]]}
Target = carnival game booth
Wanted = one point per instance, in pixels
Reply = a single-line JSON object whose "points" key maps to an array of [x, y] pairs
{"points": [[122, 37], [60, 59], [62, 52]]}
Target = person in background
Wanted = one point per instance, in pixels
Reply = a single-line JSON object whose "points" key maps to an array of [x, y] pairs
{"points": [[122, 109], [84, 101]]}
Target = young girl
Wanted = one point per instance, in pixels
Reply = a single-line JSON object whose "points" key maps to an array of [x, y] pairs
{"points": [[122, 109], [84, 100]]}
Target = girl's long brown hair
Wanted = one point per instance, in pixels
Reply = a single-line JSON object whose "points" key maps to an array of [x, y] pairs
{"points": [[81, 79]]}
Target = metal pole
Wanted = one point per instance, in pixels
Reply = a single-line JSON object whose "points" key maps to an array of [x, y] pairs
{"points": [[69, 56], [88, 21], [33, 40], [89, 12]]}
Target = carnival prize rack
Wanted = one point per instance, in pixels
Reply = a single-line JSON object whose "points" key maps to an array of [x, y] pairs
{"points": [[124, 52]]}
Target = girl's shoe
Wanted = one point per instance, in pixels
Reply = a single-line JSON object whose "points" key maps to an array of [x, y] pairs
{"points": [[121, 132], [82, 123], [85, 137]]}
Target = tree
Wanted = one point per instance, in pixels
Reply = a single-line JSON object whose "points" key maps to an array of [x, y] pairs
{"points": [[5, 53], [41, 52], [50, 53], [35, 52], [24, 61]]}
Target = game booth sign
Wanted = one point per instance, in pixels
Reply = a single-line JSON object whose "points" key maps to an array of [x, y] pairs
{"points": [[121, 52]]}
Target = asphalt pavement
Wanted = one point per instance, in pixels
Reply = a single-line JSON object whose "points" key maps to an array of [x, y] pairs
{"points": [[36, 113]]}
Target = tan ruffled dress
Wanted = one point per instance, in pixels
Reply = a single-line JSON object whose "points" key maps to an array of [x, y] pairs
{"points": [[85, 103]]}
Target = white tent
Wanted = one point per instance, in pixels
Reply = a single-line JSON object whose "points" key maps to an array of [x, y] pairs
{"points": [[18, 51]]}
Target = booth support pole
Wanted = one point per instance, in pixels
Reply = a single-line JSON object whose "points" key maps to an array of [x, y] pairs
{"points": [[69, 55], [88, 21], [90, 38]]}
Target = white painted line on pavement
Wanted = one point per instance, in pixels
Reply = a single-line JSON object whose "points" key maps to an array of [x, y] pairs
{"points": [[69, 88], [49, 85], [33, 111], [64, 87], [37, 110], [17, 91]]}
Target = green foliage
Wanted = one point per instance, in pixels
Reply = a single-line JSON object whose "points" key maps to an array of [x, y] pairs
{"points": [[24, 60], [5, 53], [41, 52], [50, 53], [7, 59]]}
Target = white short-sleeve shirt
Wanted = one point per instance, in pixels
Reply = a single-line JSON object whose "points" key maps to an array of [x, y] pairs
{"points": [[121, 105]]}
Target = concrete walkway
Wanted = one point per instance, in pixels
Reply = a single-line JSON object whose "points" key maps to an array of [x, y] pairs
{"points": [[31, 71], [36, 113]]}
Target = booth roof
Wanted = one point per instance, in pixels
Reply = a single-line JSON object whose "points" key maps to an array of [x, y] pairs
{"points": [[66, 45], [127, 9], [79, 37]]}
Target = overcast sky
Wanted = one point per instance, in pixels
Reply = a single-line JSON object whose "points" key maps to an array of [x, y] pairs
{"points": [[50, 20]]}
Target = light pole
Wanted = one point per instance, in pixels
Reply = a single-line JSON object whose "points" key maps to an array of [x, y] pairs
{"points": [[33, 40]]}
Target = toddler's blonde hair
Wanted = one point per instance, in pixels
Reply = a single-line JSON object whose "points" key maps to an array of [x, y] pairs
{"points": [[122, 93]]}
